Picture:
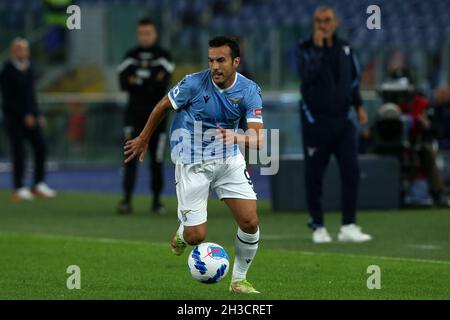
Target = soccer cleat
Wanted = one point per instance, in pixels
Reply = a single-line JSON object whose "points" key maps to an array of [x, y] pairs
{"points": [[352, 233], [242, 286], [23, 194], [124, 207], [320, 235], [44, 191], [178, 245]]}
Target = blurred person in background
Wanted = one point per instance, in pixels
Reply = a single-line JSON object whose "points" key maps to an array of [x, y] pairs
{"points": [[55, 17], [422, 122], [330, 87], [23, 121], [145, 75], [441, 116], [422, 135]]}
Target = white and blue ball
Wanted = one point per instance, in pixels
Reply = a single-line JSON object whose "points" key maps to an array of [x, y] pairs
{"points": [[208, 262]]}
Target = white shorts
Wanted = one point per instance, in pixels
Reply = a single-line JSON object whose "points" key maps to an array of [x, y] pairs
{"points": [[229, 179]]}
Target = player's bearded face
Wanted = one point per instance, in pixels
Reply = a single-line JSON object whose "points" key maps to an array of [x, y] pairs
{"points": [[223, 67]]}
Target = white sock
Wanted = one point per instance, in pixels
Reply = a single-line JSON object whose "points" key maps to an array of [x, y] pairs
{"points": [[245, 247], [181, 232]]}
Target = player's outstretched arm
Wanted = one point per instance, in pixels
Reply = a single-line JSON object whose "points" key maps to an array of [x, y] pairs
{"points": [[252, 139], [138, 145]]}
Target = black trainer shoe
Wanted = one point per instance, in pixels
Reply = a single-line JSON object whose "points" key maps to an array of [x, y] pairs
{"points": [[124, 207]]}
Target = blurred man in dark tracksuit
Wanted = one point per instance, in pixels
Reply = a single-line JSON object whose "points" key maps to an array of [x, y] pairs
{"points": [[330, 87], [23, 121], [145, 75]]}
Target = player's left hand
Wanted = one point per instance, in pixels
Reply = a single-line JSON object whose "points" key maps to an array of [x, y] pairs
{"points": [[228, 136], [362, 115], [135, 147]]}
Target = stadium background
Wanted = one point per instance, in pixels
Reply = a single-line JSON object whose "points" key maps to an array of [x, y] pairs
{"points": [[78, 93]]}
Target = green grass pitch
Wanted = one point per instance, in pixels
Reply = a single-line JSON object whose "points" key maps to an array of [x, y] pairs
{"points": [[128, 257]]}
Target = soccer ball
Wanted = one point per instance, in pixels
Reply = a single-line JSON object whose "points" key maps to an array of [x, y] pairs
{"points": [[208, 262]]}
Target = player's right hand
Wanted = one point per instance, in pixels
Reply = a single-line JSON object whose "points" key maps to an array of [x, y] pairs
{"points": [[135, 147]]}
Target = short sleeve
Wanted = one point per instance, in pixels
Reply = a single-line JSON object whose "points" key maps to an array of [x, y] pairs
{"points": [[181, 94], [253, 104]]}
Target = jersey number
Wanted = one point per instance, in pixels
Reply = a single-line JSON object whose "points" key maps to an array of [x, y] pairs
{"points": [[247, 176]]}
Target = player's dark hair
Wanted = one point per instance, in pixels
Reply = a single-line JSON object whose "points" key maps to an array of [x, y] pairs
{"points": [[231, 42], [146, 22]]}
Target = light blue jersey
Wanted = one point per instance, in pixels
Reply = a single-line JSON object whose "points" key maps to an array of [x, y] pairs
{"points": [[201, 106]]}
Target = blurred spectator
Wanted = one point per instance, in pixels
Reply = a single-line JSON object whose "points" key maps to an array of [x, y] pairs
{"points": [[77, 126], [441, 117], [23, 120], [398, 67], [243, 66], [55, 17], [421, 138]]}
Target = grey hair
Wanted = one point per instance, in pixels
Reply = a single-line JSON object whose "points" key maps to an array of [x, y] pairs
{"points": [[324, 8]]}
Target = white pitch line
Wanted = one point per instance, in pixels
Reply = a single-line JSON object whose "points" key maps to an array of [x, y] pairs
{"points": [[378, 257], [424, 246], [279, 236], [135, 242]]}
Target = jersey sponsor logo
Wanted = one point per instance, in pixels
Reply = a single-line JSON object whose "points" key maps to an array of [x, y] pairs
{"points": [[257, 112], [206, 98]]}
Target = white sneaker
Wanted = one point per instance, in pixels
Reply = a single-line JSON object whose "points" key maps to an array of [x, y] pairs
{"points": [[352, 233], [44, 191], [23, 194], [320, 235]]}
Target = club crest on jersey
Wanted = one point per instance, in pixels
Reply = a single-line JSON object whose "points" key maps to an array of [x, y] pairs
{"points": [[235, 101]]}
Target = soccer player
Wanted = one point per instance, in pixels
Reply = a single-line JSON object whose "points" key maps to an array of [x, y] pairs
{"points": [[216, 98], [145, 74]]}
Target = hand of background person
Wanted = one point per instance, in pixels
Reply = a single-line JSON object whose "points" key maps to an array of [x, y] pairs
{"points": [[160, 76], [42, 122], [424, 121], [362, 115], [319, 38], [30, 121]]}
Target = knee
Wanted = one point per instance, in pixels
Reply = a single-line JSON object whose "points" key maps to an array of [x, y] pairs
{"points": [[249, 225], [194, 238]]}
